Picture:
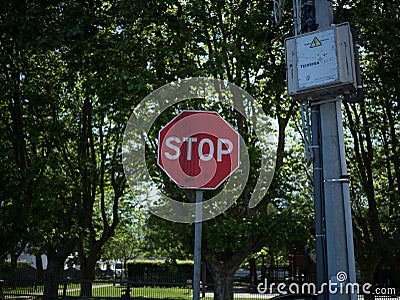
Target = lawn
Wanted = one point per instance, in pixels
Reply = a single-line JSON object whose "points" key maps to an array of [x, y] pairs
{"points": [[173, 293], [105, 290], [136, 292]]}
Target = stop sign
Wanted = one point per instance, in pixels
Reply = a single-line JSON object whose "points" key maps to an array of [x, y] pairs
{"points": [[198, 149]]}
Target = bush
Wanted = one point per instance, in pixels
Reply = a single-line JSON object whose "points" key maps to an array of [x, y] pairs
{"points": [[5, 267], [24, 271], [146, 268]]}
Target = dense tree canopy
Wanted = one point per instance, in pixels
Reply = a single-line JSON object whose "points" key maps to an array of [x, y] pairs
{"points": [[72, 72], [373, 131]]}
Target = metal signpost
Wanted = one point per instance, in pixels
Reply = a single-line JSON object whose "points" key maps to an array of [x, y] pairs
{"points": [[198, 150], [320, 68]]}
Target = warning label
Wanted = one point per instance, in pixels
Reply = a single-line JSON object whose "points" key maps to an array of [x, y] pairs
{"points": [[317, 62], [315, 43]]}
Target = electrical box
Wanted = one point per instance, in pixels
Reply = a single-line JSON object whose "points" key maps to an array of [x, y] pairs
{"points": [[320, 64]]}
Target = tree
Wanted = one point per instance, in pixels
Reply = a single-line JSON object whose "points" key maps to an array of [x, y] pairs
{"points": [[128, 241], [72, 72], [227, 42], [30, 81], [65, 109], [373, 132]]}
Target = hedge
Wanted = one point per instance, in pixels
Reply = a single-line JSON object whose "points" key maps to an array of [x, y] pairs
{"points": [[159, 267]]}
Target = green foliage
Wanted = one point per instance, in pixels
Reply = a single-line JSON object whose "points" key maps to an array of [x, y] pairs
{"points": [[138, 268], [7, 269], [237, 42], [71, 73], [372, 139], [128, 240]]}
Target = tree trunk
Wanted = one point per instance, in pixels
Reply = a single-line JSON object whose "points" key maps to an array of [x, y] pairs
{"points": [[394, 280], [14, 260], [253, 271], [223, 270], [55, 267], [53, 276], [39, 268], [88, 275], [367, 270], [223, 279]]}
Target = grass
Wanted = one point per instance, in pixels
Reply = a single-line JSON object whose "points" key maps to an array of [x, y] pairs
{"points": [[104, 289], [110, 290], [162, 293], [174, 293]]}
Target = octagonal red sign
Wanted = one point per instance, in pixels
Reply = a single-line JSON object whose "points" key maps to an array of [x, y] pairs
{"points": [[198, 149]]}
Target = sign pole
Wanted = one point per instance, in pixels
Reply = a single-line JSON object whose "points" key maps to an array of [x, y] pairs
{"points": [[197, 245], [190, 140]]}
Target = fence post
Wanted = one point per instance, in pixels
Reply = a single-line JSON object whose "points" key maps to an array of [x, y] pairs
{"points": [[127, 294], [1, 289], [128, 290], [65, 290]]}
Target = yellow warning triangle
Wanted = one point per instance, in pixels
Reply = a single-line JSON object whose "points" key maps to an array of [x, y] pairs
{"points": [[315, 43]]}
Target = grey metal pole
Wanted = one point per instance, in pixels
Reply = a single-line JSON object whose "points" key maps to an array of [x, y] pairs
{"points": [[296, 17], [318, 180], [339, 232], [197, 245], [338, 224], [319, 207], [323, 13], [346, 203]]}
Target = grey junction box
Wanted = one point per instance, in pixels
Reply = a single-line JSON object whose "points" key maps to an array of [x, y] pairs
{"points": [[320, 64]]}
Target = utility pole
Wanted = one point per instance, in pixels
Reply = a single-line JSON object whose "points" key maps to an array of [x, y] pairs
{"points": [[336, 195], [317, 75]]}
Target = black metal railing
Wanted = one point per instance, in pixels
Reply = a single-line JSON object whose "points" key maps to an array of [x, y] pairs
{"points": [[178, 288]]}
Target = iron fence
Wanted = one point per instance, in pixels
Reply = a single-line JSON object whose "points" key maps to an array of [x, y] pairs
{"points": [[140, 289], [111, 289]]}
